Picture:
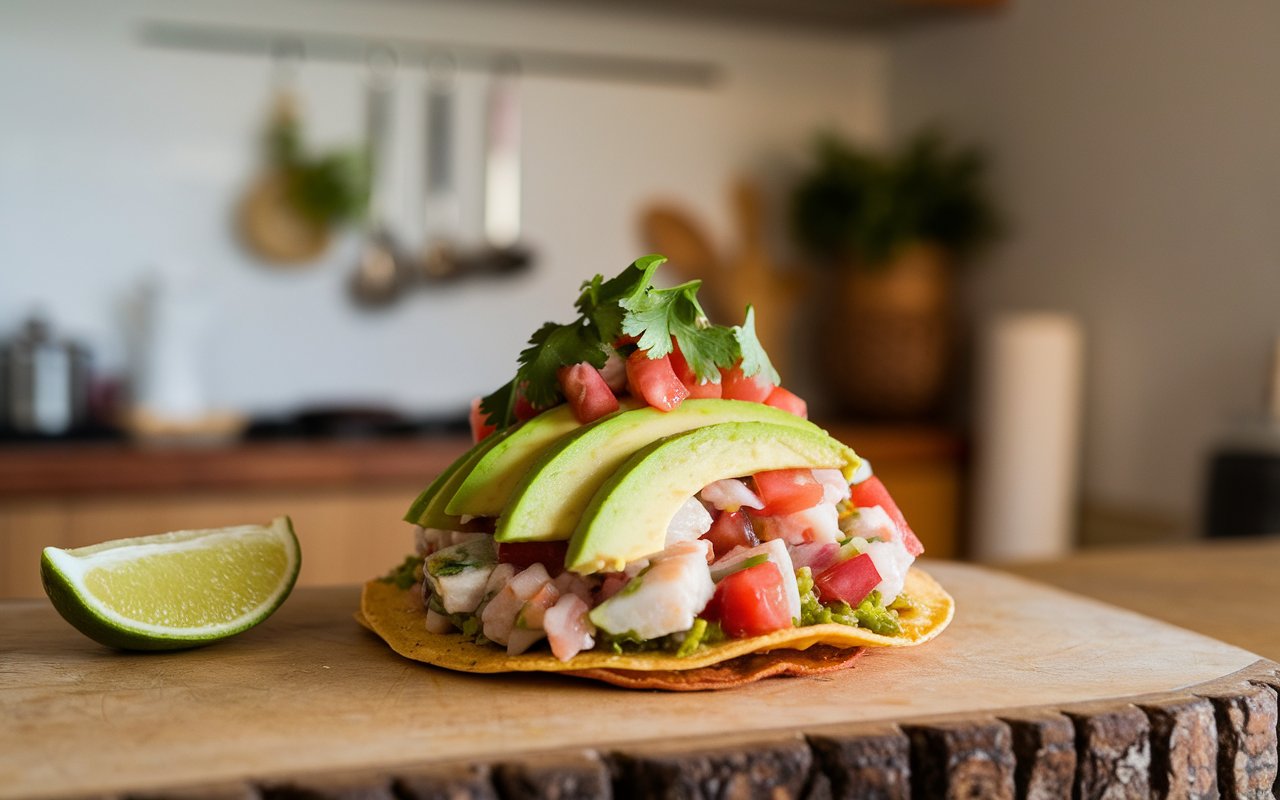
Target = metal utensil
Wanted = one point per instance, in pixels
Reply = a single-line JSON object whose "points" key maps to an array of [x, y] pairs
{"points": [[440, 200], [382, 273], [502, 251], [46, 382]]}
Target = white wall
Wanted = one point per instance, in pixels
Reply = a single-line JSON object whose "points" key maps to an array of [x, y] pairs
{"points": [[1137, 149], [116, 159]]}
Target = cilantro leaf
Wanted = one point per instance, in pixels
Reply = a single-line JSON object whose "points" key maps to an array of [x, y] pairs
{"points": [[755, 361], [600, 300], [658, 315], [499, 407], [654, 315], [551, 347]]}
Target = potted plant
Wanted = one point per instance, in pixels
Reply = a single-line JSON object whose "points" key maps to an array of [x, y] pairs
{"points": [[890, 228]]}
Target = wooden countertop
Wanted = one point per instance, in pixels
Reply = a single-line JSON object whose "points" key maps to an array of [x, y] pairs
{"points": [[1028, 681], [1227, 588], [89, 468]]}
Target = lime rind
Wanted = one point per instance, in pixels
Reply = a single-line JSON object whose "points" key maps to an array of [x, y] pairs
{"points": [[63, 573]]}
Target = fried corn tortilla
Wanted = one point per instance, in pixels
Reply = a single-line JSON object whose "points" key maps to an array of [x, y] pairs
{"points": [[398, 618]]}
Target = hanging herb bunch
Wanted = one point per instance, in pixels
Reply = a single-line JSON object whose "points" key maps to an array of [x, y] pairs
{"points": [[857, 208], [328, 188]]}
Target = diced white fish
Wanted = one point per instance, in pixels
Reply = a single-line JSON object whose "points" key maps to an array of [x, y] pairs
{"points": [[461, 593], [500, 577], [834, 487], [730, 494], [569, 629], [690, 522], [528, 581], [521, 639], [573, 583], [663, 600], [499, 615], [817, 556], [873, 522], [430, 540], [774, 551], [535, 608], [818, 524], [437, 622], [459, 574], [861, 472], [892, 562]]}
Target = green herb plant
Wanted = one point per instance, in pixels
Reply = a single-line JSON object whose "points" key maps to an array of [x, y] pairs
{"points": [[328, 188], [856, 207]]}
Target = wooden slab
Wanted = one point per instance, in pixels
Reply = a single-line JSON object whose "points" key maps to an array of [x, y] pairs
{"points": [[310, 692]]}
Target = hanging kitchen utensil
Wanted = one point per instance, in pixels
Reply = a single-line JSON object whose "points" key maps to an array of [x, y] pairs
{"points": [[270, 223], [502, 251], [441, 216], [382, 273], [671, 230]]}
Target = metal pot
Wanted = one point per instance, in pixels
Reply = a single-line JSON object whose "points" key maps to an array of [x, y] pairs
{"points": [[46, 382]]}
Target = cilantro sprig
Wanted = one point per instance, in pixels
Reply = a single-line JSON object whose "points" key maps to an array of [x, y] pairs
{"points": [[628, 304]]}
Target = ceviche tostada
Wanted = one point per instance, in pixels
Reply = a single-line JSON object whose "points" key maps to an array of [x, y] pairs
{"points": [[646, 504]]}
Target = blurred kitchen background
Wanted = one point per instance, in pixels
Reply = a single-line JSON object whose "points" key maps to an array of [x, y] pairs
{"points": [[208, 318]]}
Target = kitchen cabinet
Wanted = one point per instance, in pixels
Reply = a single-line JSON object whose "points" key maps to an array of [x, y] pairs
{"points": [[346, 499]]}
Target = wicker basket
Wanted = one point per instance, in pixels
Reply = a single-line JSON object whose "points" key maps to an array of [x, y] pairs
{"points": [[888, 336]]}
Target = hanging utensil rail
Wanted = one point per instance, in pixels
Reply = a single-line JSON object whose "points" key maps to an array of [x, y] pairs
{"points": [[343, 47]]}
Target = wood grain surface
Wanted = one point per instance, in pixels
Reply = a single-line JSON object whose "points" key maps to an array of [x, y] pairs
{"points": [[309, 704], [1227, 588]]}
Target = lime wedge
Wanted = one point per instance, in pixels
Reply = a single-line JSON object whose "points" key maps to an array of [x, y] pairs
{"points": [[173, 590]]}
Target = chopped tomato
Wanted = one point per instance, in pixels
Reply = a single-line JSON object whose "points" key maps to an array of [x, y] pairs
{"points": [[736, 386], [752, 602], [786, 491], [523, 555], [524, 410], [850, 581], [871, 492], [479, 428], [655, 381], [731, 529], [687, 377], [787, 401], [588, 395]]}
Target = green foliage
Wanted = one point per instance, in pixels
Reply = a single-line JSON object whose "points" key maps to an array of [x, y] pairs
{"points": [[856, 207], [406, 574], [326, 187]]}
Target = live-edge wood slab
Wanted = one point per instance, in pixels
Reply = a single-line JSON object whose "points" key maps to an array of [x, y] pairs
{"points": [[1031, 692]]}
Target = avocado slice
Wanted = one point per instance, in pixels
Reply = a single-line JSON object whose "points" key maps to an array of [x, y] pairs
{"points": [[419, 504], [485, 491], [628, 516], [548, 502], [430, 505]]}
